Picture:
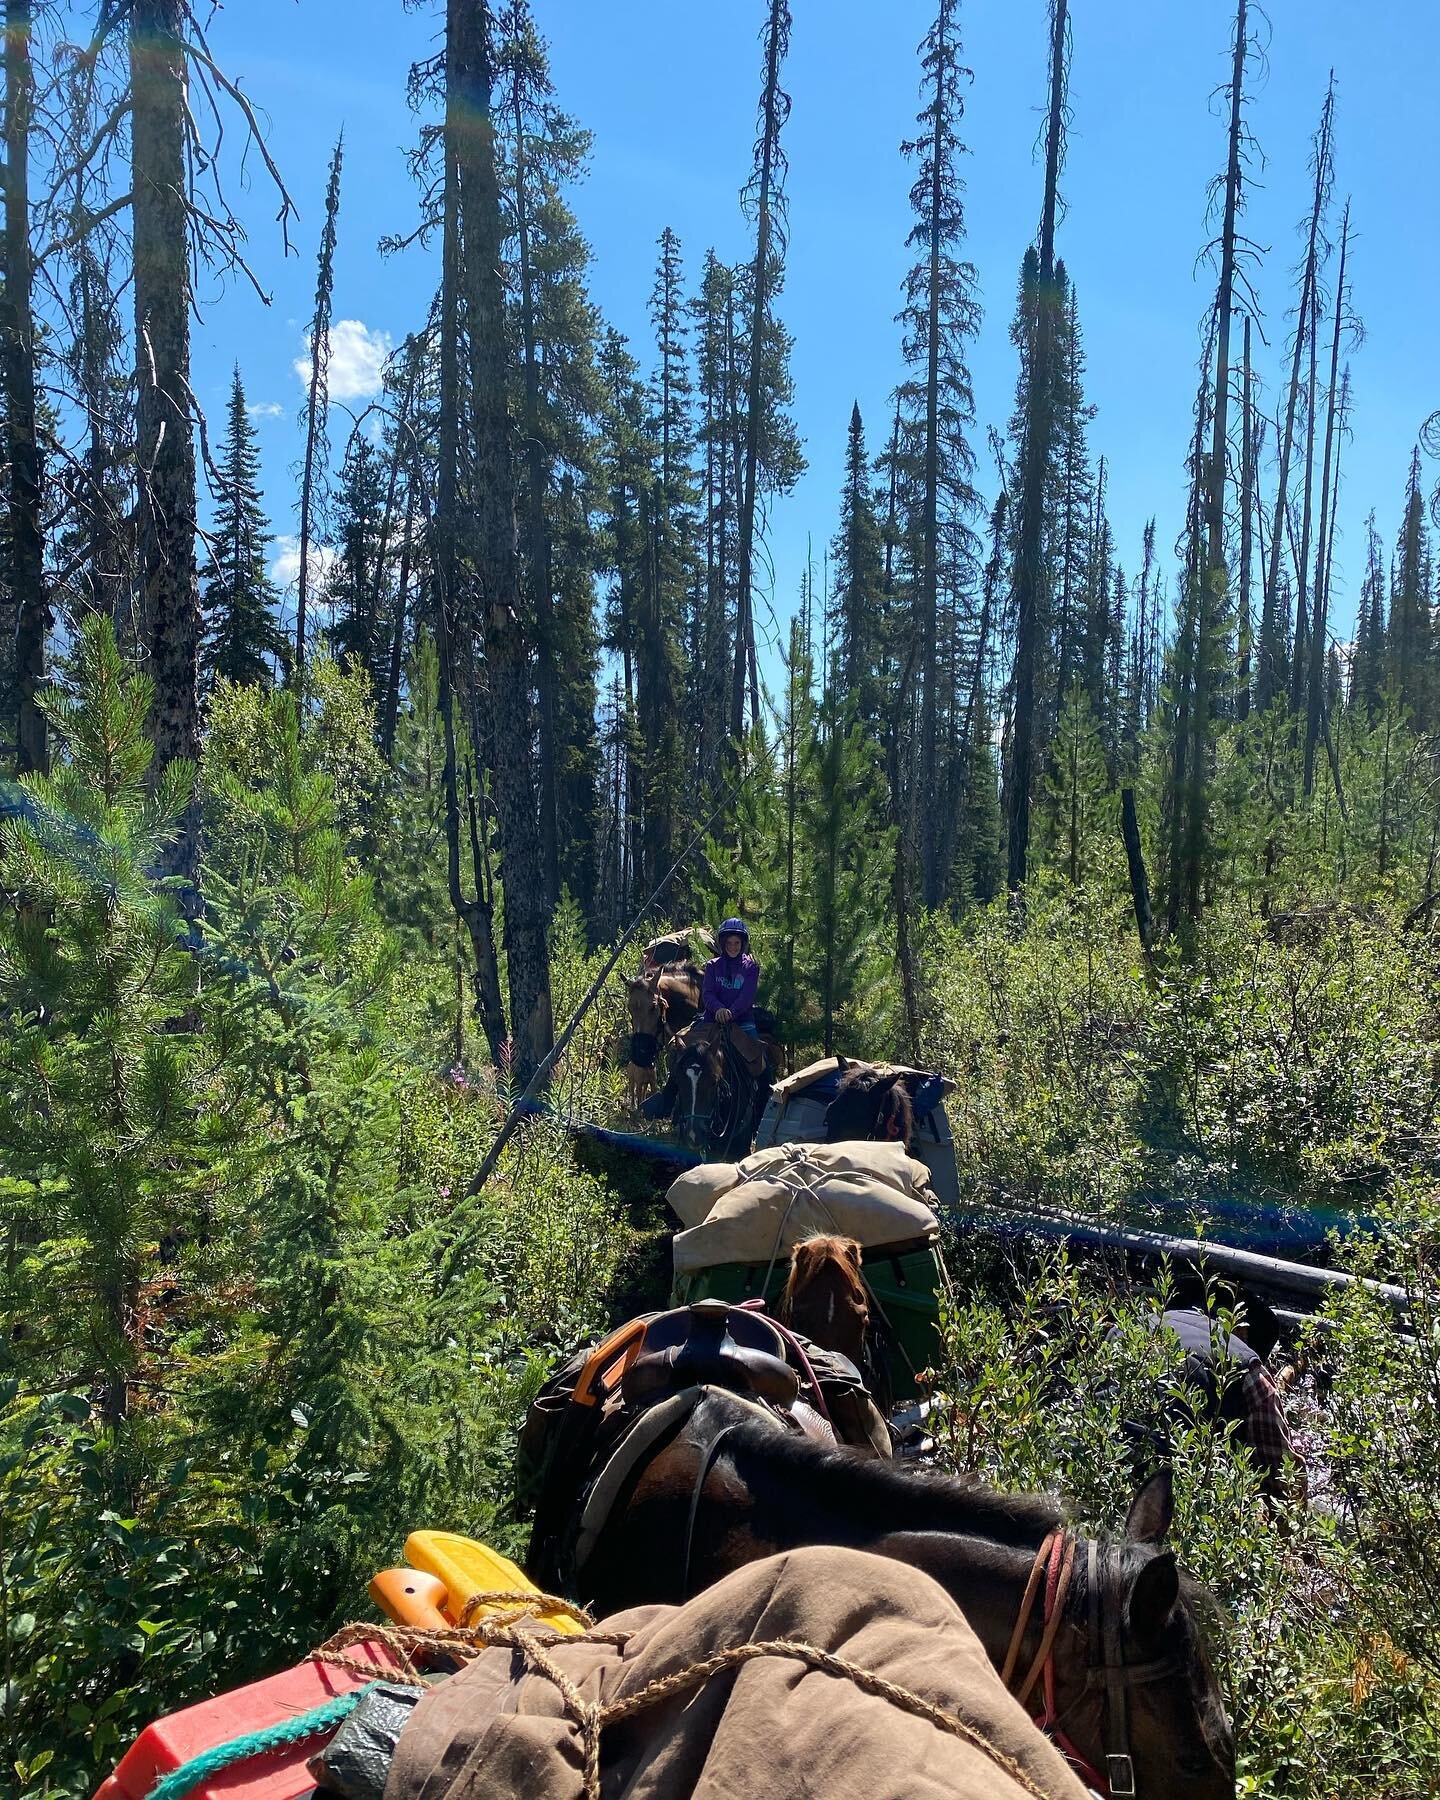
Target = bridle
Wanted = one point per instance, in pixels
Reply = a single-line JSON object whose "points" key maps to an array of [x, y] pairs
{"points": [[727, 1095], [1105, 1662]]}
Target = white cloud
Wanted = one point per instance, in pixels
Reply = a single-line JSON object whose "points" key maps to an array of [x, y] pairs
{"points": [[266, 409], [357, 360], [285, 564]]}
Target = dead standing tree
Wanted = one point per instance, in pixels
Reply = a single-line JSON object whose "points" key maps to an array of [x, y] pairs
{"points": [[1034, 469], [1197, 672], [766, 195], [1272, 627], [317, 400], [180, 221], [21, 444]]}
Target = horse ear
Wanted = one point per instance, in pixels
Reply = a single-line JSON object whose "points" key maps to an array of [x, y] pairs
{"points": [[1155, 1595], [1151, 1510], [841, 1064]]}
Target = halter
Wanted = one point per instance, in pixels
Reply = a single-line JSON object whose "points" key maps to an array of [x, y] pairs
{"points": [[1105, 1657]]}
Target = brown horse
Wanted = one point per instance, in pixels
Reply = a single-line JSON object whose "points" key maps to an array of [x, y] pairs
{"points": [[871, 1103], [1128, 1682], [662, 1003], [824, 1297]]}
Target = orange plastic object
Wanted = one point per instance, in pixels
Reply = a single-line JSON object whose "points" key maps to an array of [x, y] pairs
{"points": [[467, 1567], [410, 1598], [280, 1775], [609, 1362]]}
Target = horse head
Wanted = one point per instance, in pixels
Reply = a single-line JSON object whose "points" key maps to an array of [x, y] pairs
{"points": [[648, 1010], [1135, 1691], [701, 1088], [870, 1103], [825, 1295]]}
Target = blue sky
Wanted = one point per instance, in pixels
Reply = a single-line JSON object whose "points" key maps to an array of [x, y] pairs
{"points": [[669, 91]]}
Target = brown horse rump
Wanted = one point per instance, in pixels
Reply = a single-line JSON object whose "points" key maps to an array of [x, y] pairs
{"points": [[852, 1675], [594, 1427]]}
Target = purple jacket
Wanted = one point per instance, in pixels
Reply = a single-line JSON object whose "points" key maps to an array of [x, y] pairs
{"points": [[731, 981]]}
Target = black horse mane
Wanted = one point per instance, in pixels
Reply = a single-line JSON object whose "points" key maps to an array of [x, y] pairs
{"points": [[891, 1497]]}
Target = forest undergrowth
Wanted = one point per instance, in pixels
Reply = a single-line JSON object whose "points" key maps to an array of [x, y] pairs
{"points": [[260, 1331]]}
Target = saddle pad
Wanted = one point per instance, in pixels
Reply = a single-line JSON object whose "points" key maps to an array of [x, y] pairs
{"points": [[651, 1425]]}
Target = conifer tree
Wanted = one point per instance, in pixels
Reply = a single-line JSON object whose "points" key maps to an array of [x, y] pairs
{"points": [[1270, 676], [847, 855], [858, 603], [714, 312], [765, 204], [1410, 629], [1073, 579], [356, 575], [1036, 449], [317, 402], [100, 1104], [1368, 668], [557, 401], [941, 314], [243, 640], [1080, 800], [669, 531], [470, 138]]}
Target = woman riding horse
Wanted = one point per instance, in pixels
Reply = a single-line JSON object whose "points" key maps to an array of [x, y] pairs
{"points": [[729, 986]]}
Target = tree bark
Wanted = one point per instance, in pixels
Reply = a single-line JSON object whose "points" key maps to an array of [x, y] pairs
{"points": [[165, 449], [538, 547], [1247, 533], [22, 446], [1210, 603], [755, 386], [1039, 424], [317, 399], [1318, 636], [931, 874], [470, 130], [1135, 860], [1269, 629]]}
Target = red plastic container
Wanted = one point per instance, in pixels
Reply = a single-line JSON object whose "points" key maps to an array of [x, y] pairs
{"points": [[280, 1775]]}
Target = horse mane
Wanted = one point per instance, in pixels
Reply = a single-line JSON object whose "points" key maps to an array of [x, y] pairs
{"points": [[890, 1497], [870, 1103], [824, 1295]]}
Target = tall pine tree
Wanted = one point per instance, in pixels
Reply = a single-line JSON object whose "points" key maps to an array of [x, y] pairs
{"points": [[243, 639]]}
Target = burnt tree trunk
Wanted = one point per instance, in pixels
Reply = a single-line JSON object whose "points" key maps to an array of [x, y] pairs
{"points": [[773, 111], [22, 448], [1247, 532], [317, 400], [1315, 699], [165, 448], [932, 874], [1270, 634], [1039, 430]]}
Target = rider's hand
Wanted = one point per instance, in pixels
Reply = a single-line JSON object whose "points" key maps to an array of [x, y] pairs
{"points": [[723, 1015]]}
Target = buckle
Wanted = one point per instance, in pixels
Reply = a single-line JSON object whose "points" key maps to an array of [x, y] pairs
{"points": [[1120, 1776]]}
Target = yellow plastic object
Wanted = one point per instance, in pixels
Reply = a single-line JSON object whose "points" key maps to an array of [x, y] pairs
{"points": [[468, 1568]]}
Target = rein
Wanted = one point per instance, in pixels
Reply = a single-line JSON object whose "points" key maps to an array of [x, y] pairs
{"points": [[1054, 1566]]}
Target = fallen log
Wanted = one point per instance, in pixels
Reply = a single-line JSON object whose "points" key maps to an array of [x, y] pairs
{"points": [[1264, 1271]]}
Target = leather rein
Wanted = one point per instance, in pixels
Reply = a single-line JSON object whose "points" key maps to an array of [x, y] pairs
{"points": [[1053, 1568]]}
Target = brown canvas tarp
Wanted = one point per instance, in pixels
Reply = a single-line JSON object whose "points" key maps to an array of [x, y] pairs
{"points": [[748, 1211], [771, 1728]]}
